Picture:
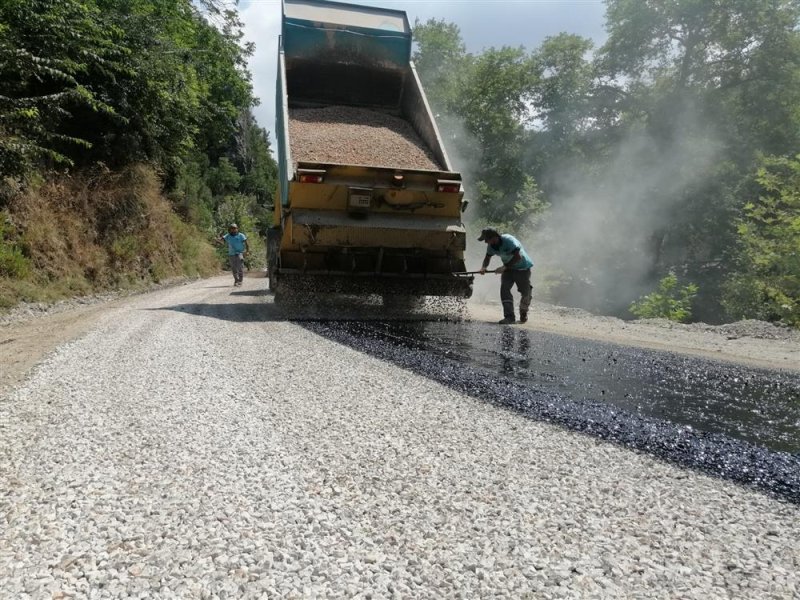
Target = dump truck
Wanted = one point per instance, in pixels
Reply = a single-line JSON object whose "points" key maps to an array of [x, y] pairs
{"points": [[367, 199]]}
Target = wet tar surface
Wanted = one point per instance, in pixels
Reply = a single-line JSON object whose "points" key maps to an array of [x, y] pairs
{"points": [[727, 420]]}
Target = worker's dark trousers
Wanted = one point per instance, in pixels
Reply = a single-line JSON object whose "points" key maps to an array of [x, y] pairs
{"points": [[237, 267], [523, 280]]}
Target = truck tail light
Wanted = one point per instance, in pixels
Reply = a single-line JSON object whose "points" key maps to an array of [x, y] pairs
{"points": [[310, 175], [311, 178], [448, 185]]}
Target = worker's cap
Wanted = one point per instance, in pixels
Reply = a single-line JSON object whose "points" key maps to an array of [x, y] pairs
{"points": [[233, 226], [488, 234]]}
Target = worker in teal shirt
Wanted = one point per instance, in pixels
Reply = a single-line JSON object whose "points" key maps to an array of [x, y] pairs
{"points": [[516, 270], [237, 248]]}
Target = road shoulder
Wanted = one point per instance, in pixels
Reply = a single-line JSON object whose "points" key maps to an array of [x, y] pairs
{"points": [[748, 343], [24, 344]]}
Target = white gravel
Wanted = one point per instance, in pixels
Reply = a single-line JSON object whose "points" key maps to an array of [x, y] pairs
{"points": [[189, 447]]}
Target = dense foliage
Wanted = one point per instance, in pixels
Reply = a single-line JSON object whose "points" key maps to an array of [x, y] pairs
{"points": [[621, 164], [767, 284], [111, 83]]}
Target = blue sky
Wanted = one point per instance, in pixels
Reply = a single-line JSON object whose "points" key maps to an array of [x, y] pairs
{"points": [[483, 23]]}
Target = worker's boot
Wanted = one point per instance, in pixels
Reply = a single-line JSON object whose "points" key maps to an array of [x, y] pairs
{"points": [[507, 321], [523, 316]]}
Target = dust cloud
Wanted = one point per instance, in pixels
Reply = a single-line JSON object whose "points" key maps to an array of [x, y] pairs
{"points": [[463, 150], [600, 244]]}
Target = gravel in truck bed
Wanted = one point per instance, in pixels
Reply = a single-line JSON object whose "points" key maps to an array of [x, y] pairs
{"points": [[356, 136]]}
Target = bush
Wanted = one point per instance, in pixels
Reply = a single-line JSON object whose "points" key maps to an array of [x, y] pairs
{"points": [[668, 302], [13, 263]]}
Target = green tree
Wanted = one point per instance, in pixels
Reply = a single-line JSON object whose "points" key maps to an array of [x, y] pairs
{"points": [[767, 285], [566, 98], [224, 178], [565, 83], [711, 85], [735, 60], [495, 110], [49, 50], [254, 160], [186, 87], [441, 59], [123, 80]]}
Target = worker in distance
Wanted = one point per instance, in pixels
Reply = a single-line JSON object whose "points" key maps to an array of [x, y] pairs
{"points": [[238, 248], [516, 270]]}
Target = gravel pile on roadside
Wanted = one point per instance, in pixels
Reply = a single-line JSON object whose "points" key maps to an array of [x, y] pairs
{"points": [[150, 459], [356, 136], [758, 329], [747, 328]]}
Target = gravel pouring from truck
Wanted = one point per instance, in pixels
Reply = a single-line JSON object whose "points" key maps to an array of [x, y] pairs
{"points": [[367, 199]]}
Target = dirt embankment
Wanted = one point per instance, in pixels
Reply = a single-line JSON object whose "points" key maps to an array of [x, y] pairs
{"points": [[94, 231]]}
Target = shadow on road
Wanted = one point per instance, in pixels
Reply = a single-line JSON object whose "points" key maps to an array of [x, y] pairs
{"points": [[316, 309], [237, 313], [251, 293]]}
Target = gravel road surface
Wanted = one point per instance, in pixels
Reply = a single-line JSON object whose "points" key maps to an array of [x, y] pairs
{"points": [[194, 445]]}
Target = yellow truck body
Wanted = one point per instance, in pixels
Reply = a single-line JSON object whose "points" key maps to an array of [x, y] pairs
{"points": [[378, 226]]}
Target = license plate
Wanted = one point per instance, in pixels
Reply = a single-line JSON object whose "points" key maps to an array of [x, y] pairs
{"points": [[360, 200]]}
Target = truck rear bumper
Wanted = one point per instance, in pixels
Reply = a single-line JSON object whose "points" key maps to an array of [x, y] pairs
{"points": [[395, 284], [336, 229]]}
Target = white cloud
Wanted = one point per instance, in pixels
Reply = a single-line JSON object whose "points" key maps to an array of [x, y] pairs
{"points": [[262, 25]]}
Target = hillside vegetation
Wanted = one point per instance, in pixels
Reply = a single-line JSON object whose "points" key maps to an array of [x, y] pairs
{"points": [[95, 232], [127, 143]]}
